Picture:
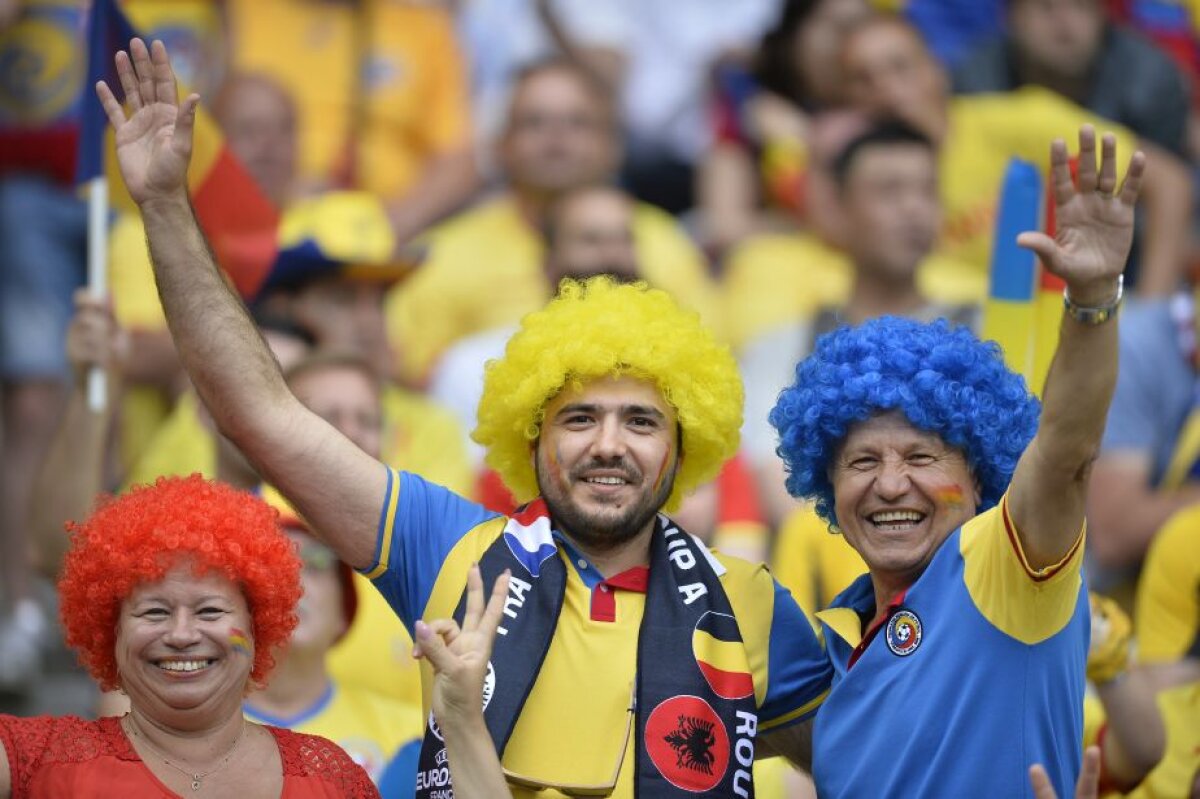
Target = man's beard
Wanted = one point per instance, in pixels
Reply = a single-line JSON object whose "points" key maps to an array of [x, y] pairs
{"points": [[603, 531]]}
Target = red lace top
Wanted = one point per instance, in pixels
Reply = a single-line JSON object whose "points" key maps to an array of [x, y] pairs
{"points": [[69, 756]]}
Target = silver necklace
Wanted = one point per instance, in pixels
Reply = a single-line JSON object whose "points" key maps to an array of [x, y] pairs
{"points": [[196, 778]]}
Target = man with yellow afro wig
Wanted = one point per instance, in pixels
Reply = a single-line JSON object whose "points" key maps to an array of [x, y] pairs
{"points": [[631, 660], [602, 329]]}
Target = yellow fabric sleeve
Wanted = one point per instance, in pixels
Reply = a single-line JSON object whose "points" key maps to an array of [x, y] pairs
{"points": [[1027, 604], [1167, 611]]}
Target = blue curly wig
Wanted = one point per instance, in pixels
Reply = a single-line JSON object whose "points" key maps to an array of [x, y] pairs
{"points": [[940, 376]]}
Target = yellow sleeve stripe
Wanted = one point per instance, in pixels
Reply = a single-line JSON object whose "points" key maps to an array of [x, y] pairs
{"points": [[387, 522], [766, 726], [1037, 575]]}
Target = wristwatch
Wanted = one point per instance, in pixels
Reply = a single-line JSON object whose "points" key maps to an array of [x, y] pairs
{"points": [[1095, 315]]}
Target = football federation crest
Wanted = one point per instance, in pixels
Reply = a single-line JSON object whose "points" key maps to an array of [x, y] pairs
{"points": [[687, 743], [903, 633]]}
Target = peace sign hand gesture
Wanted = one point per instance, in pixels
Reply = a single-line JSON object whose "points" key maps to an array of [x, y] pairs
{"points": [[1094, 221], [460, 656], [154, 144]]}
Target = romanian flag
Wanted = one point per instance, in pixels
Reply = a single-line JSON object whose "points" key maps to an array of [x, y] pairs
{"points": [[1009, 316], [721, 656], [238, 219]]}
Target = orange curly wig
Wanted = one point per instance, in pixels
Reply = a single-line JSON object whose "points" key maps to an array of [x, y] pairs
{"points": [[138, 537]]}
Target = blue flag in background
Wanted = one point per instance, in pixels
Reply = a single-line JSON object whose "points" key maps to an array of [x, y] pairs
{"points": [[108, 31]]}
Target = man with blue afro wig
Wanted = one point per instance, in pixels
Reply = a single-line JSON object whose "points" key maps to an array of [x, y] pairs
{"points": [[962, 652]]}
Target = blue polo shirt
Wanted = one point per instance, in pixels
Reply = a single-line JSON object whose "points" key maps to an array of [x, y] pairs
{"points": [[976, 673]]}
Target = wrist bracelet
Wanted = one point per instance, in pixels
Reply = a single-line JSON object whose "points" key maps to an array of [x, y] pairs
{"points": [[1095, 315]]}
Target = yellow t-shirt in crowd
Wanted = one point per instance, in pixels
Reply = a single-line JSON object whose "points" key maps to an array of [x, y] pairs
{"points": [[985, 131], [136, 308], [813, 563], [388, 73], [418, 435], [775, 280], [485, 271]]}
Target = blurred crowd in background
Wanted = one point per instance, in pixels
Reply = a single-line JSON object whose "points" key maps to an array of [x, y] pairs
{"points": [[780, 166]]}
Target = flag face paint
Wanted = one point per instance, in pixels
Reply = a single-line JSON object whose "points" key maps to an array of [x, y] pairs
{"points": [[663, 468], [950, 497], [239, 641]]}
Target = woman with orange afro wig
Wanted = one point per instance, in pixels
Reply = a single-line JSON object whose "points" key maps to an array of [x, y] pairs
{"points": [[176, 593]]}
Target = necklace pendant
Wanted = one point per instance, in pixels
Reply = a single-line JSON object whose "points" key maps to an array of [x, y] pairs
{"points": [[195, 785]]}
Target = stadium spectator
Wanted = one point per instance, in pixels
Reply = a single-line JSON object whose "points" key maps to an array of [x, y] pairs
{"points": [[1146, 468], [484, 268], [379, 733], [890, 71], [1070, 47], [381, 96], [752, 179], [43, 231], [178, 594], [919, 444], [1167, 623]]}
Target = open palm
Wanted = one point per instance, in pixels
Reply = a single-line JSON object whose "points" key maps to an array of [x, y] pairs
{"points": [[154, 143], [1094, 221]]}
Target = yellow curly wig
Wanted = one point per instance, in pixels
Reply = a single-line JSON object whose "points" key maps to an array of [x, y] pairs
{"points": [[599, 328]]}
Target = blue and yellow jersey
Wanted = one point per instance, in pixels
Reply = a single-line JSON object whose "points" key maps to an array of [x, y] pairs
{"points": [[381, 735], [576, 727], [976, 673]]}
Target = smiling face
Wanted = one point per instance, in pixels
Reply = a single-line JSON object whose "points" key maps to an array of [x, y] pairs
{"points": [[606, 459], [185, 644], [898, 494]]}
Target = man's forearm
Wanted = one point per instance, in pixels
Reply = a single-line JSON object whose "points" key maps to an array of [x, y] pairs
{"points": [[218, 343], [1078, 392], [1049, 488]]}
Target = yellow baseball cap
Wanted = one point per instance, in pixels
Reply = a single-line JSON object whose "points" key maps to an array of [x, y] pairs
{"points": [[345, 233]]}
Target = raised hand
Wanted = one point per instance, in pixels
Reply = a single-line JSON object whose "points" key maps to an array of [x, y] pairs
{"points": [[1094, 221], [1087, 787], [154, 143], [460, 656], [93, 337]]}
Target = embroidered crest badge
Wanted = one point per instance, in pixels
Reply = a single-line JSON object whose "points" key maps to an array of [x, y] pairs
{"points": [[903, 633]]}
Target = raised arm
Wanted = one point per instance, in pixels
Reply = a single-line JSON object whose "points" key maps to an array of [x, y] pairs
{"points": [[1088, 251], [337, 487], [72, 473]]}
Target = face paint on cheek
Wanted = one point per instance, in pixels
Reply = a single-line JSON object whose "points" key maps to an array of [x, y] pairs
{"points": [[950, 497], [662, 469], [239, 642]]}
